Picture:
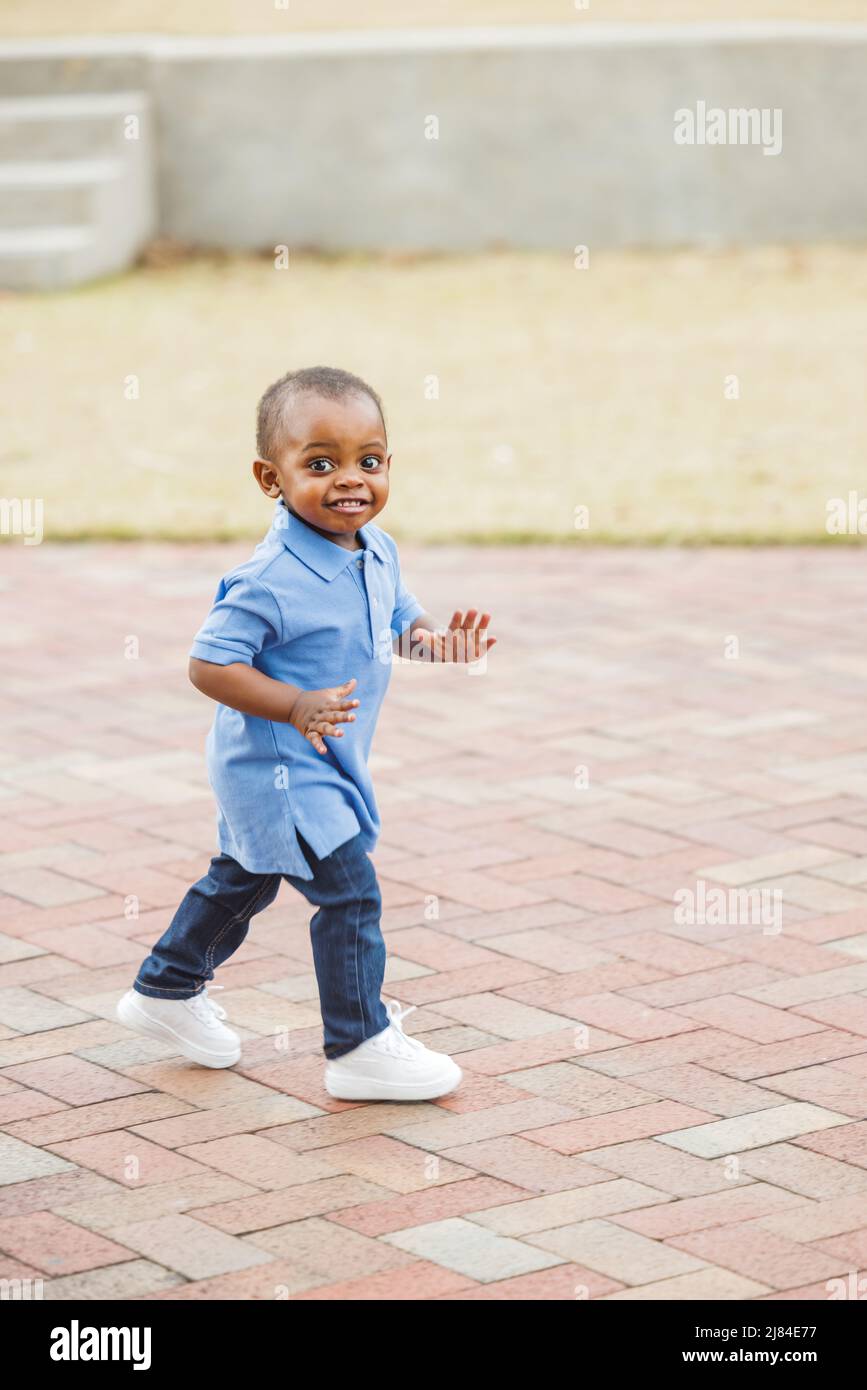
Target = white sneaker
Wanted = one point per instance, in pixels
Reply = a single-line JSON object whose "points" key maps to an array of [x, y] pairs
{"points": [[391, 1066], [193, 1025]]}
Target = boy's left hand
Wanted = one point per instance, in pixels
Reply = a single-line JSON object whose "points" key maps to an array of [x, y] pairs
{"points": [[463, 640]]}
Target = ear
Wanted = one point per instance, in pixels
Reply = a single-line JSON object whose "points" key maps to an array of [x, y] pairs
{"points": [[266, 476]]}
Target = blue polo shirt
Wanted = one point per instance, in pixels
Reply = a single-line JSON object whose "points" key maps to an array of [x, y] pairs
{"points": [[304, 610]]}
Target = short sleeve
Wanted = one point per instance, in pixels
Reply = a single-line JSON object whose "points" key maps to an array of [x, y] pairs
{"points": [[406, 606], [244, 620]]}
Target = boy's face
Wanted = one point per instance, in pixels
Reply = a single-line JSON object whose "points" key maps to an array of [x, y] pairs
{"points": [[332, 465]]}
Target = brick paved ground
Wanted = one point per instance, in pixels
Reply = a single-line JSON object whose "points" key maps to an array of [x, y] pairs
{"points": [[652, 1107]]}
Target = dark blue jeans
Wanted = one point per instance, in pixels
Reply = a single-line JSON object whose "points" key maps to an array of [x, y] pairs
{"points": [[348, 947]]}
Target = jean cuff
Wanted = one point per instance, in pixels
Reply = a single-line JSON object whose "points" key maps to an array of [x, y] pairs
{"points": [[151, 993]]}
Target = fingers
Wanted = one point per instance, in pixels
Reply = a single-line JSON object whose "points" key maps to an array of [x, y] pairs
{"points": [[459, 621], [480, 633], [483, 622], [322, 730], [337, 714], [465, 639], [332, 711], [325, 725], [333, 696], [473, 640]]}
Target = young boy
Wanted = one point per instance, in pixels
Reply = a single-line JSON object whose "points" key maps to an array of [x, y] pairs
{"points": [[297, 650]]}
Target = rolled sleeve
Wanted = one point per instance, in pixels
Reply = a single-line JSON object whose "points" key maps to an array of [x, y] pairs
{"points": [[244, 620]]}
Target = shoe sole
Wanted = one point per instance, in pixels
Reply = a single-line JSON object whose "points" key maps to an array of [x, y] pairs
{"points": [[136, 1019], [370, 1088]]}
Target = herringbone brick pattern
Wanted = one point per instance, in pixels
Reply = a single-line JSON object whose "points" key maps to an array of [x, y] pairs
{"points": [[625, 881]]}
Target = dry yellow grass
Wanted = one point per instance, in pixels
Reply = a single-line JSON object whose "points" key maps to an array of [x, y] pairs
{"points": [[558, 388], [26, 18]]}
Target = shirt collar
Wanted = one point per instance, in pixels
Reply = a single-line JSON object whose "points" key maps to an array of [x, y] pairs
{"points": [[319, 554]]}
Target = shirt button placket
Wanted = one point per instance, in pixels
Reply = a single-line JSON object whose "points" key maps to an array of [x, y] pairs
{"points": [[371, 600]]}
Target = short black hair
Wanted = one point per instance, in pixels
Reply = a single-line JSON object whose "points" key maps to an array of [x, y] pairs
{"points": [[332, 382]]}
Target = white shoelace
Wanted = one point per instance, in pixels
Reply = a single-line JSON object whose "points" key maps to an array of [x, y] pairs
{"points": [[206, 1008], [398, 1037]]}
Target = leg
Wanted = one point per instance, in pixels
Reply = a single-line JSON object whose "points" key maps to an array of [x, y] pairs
{"points": [[348, 947], [207, 928]]}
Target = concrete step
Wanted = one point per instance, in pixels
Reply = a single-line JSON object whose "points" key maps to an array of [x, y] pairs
{"points": [[117, 63], [76, 194], [54, 192], [83, 126], [45, 258]]}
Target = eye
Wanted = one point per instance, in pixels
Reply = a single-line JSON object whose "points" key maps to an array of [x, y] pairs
{"points": [[371, 458], [313, 462]]}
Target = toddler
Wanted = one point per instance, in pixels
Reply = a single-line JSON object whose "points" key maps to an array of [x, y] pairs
{"points": [[297, 652]]}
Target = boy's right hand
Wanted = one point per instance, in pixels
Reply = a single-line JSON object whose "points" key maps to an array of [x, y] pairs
{"points": [[315, 713]]}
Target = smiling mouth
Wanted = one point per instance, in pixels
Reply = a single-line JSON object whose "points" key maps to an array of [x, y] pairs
{"points": [[355, 505]]}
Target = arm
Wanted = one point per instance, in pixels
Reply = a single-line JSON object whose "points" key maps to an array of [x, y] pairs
{"points": [[403, 645], [314, 713], [245, 620], [244, 688]]}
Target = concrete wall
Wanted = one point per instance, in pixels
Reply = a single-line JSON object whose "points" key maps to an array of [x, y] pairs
{"points": [[548, 137]]}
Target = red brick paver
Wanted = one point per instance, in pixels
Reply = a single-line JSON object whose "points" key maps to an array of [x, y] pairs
{"points": [[625, 884]]}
